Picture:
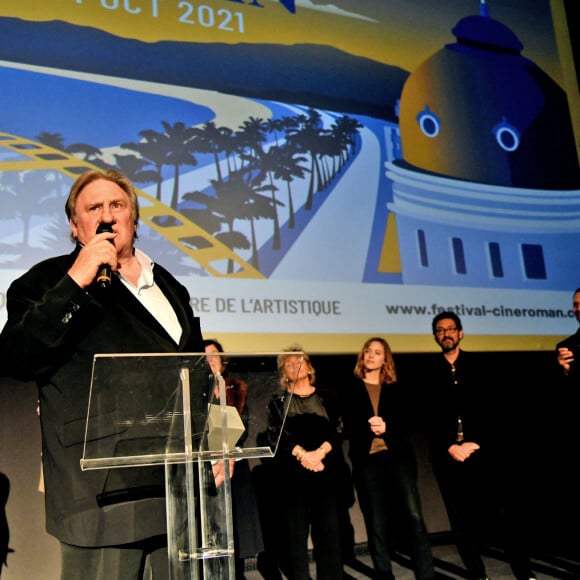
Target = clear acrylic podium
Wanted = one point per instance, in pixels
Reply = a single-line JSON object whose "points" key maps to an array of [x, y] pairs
{"points": [[170, 410]]}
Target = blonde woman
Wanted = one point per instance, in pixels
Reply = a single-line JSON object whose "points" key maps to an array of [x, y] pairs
{"points": [[308, 468]]}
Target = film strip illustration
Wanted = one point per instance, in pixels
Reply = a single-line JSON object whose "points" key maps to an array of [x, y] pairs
{"points": [[190, 238]]}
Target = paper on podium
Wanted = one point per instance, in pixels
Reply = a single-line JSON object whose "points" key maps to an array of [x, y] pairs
{"points": [[235, 427]]}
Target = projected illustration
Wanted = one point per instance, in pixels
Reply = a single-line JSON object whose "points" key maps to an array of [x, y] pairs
{"points": [[300, 162]]}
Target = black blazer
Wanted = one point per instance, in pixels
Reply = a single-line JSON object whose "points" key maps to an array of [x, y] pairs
{"points": [[475, 394], [53, 330], [573, 343], [393, 408]]}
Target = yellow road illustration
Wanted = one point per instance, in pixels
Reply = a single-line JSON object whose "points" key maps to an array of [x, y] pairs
{"points": [[216, 258]]}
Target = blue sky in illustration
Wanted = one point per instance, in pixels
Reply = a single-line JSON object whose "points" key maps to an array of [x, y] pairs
{"points": [[64, 105]]}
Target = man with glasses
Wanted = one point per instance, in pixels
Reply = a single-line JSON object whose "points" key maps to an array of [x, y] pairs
{"points": [[464, 433]]}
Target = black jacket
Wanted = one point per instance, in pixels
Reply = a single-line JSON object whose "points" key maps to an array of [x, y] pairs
{"points": [[54, 329], [469, 394], [573, 343], [393, 407]]}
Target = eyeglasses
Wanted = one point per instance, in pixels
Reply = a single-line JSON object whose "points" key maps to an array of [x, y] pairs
{"points": [[441, 331]]}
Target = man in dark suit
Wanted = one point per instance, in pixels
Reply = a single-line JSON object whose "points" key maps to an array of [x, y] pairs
{"points": [[58, 319], [564, 432], [568, 350], [470, 452]]}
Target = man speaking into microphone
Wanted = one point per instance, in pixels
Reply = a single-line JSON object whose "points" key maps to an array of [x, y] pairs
{"points": [[58, 319]]}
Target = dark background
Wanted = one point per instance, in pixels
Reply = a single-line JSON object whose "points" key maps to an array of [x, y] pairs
{"points": [[542, 438]]}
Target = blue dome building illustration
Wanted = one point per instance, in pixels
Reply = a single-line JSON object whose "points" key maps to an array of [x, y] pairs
{"points": [[486, 192]]}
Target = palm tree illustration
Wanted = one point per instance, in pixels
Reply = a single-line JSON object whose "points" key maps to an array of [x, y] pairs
{"points": [[180, 146], [287, 169], [218, 211], [250, 136], [83, 151], [307, 138], [276, 126], [335, 146], [232, 199], [9, 184], [88, 153], [56, 141], [21, 199], [344, 131], [153, 147], [264, 165], [256, 207], [249, 205], [136, 168], [215, 140]]}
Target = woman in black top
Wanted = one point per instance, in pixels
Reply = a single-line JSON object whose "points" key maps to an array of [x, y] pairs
{"points": [[309, 469], [383, 460]]}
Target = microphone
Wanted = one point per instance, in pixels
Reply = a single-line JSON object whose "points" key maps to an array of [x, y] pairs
{"points": [[104, 271]]}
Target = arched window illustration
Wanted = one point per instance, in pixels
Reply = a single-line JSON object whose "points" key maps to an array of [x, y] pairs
{"points": [[495, 262], [422, 244], [458, 256], [534, 264]]}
